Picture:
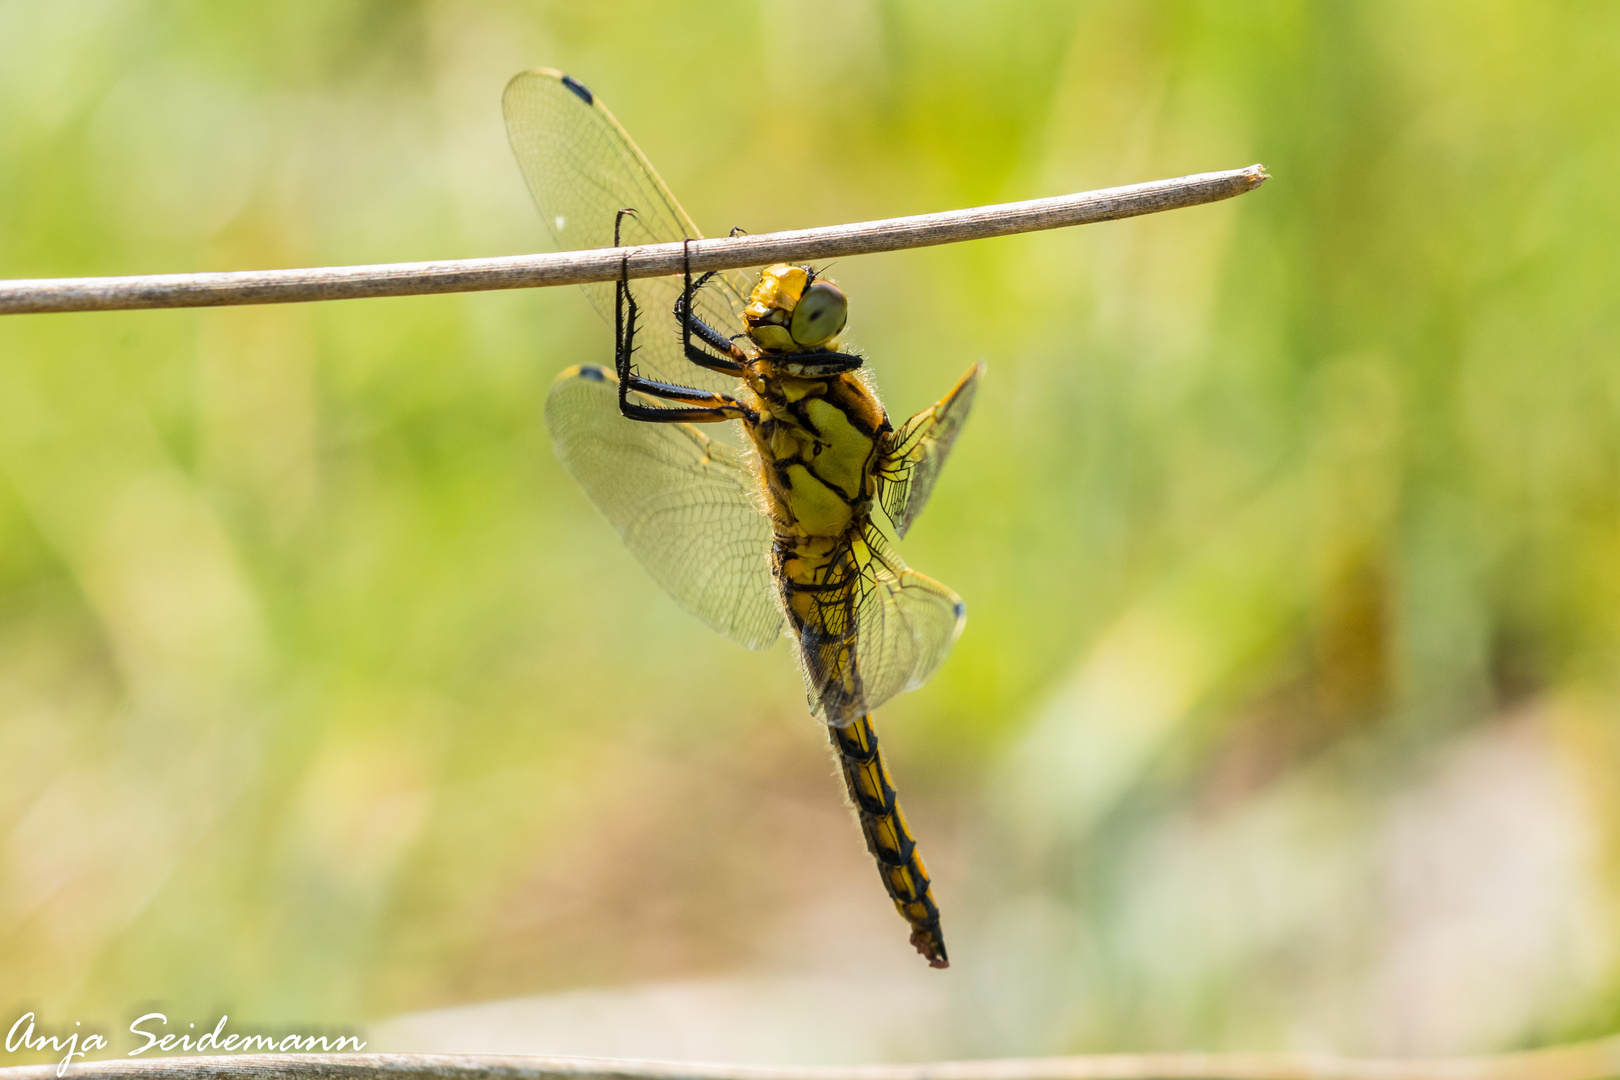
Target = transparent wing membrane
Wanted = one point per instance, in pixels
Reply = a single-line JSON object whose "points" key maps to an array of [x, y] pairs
{"points": [[683, 503], [907, 624], [880, 629], [582, 169], [918, 451]]}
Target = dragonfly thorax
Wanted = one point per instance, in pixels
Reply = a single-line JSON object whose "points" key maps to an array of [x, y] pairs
{"points": [[791, 311], [819, 441]]}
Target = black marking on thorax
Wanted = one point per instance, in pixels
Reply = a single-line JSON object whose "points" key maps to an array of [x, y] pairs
{"points": [[845, 396]]}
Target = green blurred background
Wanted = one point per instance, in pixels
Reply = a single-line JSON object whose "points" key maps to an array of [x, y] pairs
{"points": [[1289, 530]]}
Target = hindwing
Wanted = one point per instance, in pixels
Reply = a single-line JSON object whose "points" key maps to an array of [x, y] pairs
{"points": [[683, 503]]}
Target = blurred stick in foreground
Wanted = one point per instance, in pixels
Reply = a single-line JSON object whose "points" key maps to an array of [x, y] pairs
{"points": [[1581, 1061], [606, 264]]}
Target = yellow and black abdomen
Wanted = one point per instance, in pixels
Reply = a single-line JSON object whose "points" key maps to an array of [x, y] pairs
{"points": [[888, 837], [820, 442]]}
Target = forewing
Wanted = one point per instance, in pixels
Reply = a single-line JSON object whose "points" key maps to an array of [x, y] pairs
{"points": [[917, 452], [582, 169], [683, 503]]}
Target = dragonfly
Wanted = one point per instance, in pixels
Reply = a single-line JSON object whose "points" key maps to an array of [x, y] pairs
{"points": [[767, 526]]}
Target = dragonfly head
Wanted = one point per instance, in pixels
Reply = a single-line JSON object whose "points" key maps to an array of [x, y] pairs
{"points": [[791, 310]]}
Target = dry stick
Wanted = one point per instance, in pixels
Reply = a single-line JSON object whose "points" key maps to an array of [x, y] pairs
{"points": [[606, 264], [1581, 1061]]}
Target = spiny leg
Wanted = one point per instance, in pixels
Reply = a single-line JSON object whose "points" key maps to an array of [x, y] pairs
{"points": [[733, 358], [705, 406], [625, 310]]}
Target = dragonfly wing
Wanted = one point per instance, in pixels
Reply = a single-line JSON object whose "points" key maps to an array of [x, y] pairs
{"points": [[684, 504], [917, 451], [886, 634], [582, 169], [906, 625]]}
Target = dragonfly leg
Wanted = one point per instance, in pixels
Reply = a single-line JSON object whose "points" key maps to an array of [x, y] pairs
{"points": [[703, 406], [625, 310], [654, 414], [733, 358]]}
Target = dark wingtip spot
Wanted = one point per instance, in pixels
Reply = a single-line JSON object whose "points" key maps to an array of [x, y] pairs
{"points": [[596, 374], [579, 89], [961, 609]]}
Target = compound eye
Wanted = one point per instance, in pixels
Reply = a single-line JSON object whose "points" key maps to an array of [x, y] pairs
{"points": [[819, 315]]}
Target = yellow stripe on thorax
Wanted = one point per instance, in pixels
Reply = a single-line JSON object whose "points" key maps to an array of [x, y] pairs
{"points": [[819, 442]]}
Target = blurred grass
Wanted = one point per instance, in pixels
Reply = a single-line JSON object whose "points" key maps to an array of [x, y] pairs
{"points": [[325, 695]]}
